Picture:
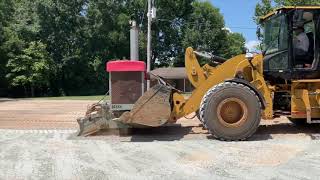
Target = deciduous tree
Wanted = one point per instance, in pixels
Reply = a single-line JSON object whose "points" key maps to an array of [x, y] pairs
{"points": [[31, 69]]}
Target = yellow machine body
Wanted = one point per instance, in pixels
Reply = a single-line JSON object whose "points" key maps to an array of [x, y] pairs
{"points": [[305, 100], [305, 94], [204, 78]]}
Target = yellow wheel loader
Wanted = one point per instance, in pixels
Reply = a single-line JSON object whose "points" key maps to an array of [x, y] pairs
{"points": [[231, 96]]}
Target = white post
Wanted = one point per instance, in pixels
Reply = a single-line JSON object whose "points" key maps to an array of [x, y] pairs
{"points": [[134, 41], [149, 55]]}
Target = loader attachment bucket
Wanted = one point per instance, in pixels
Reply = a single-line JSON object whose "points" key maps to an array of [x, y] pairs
{"points": [[153, 109], [96, 118]]}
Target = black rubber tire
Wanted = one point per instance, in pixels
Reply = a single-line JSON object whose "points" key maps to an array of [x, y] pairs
{"points": [[198, 115], [298, 122], [220, 92]]}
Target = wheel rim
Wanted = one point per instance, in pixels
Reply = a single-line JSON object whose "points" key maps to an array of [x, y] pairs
{"points": [[232, 112]]}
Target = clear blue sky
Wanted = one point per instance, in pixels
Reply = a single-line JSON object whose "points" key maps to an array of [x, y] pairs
{"points": [[238, 15]]}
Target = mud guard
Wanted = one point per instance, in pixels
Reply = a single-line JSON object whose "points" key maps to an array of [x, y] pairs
{"points": [[246, 83]]}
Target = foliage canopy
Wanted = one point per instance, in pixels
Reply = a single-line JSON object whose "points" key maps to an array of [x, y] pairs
{"points": [[60, 47]]}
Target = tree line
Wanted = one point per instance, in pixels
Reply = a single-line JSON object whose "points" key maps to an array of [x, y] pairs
{"points": [[60, 47]]}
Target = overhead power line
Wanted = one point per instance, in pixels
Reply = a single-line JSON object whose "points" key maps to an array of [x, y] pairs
{"points": [[197, 23]]}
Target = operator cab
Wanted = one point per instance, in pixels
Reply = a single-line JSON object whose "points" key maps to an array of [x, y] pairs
{"points": [[292, 43]]}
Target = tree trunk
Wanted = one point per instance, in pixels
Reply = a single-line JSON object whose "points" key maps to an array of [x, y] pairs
{"points": [[25, 91], [32, 90]]}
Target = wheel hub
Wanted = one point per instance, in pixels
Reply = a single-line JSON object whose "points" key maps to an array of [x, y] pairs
{"points": [[232, 112]]}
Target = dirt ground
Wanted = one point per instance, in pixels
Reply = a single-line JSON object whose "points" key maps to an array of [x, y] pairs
{"points": [[41, 114], [37, 141]]}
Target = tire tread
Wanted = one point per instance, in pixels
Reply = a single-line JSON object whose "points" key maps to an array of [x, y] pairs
{"points": [[206, 99]]}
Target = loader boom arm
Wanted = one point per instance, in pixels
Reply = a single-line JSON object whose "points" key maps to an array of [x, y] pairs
{"points": [[206, 77]]}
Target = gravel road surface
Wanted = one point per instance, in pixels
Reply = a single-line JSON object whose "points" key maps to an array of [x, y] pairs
{"points": [[183, 151]]}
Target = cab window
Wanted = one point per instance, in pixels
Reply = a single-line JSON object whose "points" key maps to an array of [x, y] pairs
{"points": [[276, 42], [276, 35], [309, 30]]}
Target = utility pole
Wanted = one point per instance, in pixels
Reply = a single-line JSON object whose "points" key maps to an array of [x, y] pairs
{"points": [[151, 14], [149, 42]]}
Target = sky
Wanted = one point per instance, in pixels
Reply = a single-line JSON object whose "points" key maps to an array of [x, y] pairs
{"points": [[238, 15]]}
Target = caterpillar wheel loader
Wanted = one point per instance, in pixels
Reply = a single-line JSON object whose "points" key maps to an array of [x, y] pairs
{"points": [[231, 96]]}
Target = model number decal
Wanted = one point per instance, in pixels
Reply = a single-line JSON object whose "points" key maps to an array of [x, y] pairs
{"points": [[121, 107]]}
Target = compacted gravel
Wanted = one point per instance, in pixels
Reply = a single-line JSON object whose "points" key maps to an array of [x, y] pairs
{"points": [[37, 141]]}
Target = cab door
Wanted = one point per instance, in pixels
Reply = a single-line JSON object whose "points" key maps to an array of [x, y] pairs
{"points": [[276, 41], [311, 21]]}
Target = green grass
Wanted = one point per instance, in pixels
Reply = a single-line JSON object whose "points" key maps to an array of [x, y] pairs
{"points": [[93, 98]]}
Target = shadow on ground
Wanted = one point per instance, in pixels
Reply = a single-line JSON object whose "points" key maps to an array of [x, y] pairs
{"points": [[6, 100], [264, 132], [172, 133], [166, 133], [177, 132]]}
